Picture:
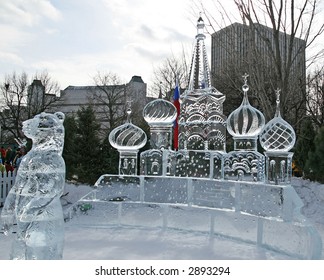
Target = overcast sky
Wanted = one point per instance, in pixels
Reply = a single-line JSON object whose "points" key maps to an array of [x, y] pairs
{"points": [[73, 39]]}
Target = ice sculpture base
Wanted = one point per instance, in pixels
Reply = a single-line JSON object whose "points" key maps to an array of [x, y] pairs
{"points": [[230, 209]]}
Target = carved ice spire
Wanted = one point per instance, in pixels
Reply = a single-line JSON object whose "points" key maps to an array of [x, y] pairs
{"points": [[277, 114], [199, 70]]}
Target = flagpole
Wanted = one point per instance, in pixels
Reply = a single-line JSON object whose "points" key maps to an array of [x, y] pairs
{"points": [[176, 103]]}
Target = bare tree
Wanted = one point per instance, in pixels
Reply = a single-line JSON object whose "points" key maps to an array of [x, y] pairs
{"points": [[315, 97], [291, 30], [110, 96], [13, 109], [19, 101], [171, 69], [42, 93]]}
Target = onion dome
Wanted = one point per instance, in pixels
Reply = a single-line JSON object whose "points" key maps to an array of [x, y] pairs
{"points": [[160, 112], [277, 135], [127, 136], [246, 121]]}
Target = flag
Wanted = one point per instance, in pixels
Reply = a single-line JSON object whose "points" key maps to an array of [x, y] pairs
{"points": [[176, 103]]}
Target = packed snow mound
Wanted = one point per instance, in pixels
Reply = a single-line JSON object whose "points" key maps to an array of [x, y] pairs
{"points": [[312, 195]]}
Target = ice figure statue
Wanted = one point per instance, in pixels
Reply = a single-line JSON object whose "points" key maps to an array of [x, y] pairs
{"points": [[127, 139], [34, 201], [277, 139]]}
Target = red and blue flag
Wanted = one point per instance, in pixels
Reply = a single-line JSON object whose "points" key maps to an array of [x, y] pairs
{"points": [[176, 103]]}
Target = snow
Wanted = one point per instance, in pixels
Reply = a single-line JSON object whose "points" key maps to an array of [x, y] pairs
{"points": [[139, 243]]}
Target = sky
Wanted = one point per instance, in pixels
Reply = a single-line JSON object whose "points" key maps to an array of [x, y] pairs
{"points": [[73, 40]]}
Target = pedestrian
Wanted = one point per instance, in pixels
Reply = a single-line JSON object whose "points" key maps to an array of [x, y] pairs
{"points": [[9, 153], [3, 154], [2, 167], [9, 167]]}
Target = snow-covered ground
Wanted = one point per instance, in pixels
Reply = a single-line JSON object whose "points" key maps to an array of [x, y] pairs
{"points": [[120, 243]]}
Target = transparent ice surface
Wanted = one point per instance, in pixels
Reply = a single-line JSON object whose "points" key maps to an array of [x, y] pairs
{"points": [[241, 211], [34, 201]]}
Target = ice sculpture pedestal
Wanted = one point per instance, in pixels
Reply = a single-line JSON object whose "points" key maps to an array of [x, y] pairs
{"points": [[265, 215], [279, 167]]}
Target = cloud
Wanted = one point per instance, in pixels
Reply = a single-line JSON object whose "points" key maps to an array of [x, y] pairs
{"points": [[175, 35], [73, 40], [28, 13], [10, 57], [150, 54], [147, 32]]}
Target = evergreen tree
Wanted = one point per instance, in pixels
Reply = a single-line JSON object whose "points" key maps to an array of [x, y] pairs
{"points": [[315, 162], [70, 148], [88, 143], [304, 145], [109, 158]]}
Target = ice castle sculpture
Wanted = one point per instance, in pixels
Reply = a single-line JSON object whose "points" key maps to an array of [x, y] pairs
{"points": [[34, 201], [242, 194]]}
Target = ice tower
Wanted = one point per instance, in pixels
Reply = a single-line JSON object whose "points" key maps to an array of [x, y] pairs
{"points": [[160, 115], [277, 139], [245, 124], [127, 139], [202, 125]]}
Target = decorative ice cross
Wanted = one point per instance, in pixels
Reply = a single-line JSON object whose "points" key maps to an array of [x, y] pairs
{"points": [[277, 114], [245, 87], [245, 76], [129, 109]]}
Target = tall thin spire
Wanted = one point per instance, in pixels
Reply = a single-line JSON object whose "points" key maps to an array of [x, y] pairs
{"points": [[277, 114], [199, 70]]}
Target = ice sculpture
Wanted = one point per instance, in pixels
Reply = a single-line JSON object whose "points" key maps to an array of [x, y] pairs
{"points": [[34, 201], [160, 115], [244, 124], [202, 188], [202, 124], [277, 139], [127, 139]]}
